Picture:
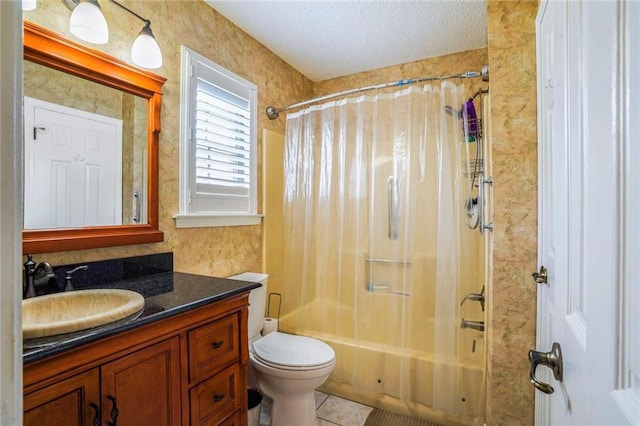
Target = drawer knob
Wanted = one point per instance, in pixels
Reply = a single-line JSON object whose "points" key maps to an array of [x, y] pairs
{"points": [[218, 344], [218, 397]]}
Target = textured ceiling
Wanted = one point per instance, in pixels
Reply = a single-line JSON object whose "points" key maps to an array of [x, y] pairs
{"points": [[324, 39]]}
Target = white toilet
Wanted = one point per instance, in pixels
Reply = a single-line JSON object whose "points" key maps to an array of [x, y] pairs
{"points": [[286, 368]]}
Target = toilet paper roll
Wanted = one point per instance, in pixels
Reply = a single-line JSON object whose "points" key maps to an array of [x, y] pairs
{"points": [[270, 325]]}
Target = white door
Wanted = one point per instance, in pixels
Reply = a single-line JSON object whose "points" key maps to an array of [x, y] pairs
{"points": [[73, 167], [589, 213]]}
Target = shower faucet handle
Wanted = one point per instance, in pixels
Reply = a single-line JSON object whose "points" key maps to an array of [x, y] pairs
{"points": [[476, 297]]}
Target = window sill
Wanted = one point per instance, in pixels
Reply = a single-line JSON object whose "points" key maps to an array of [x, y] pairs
{"points": [[211, 220]]}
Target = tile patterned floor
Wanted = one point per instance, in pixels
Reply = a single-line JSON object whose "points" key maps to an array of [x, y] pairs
{"points": [[332, 410]]}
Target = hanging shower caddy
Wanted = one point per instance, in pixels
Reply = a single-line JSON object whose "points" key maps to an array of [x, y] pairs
{"points": [[473, 168]]}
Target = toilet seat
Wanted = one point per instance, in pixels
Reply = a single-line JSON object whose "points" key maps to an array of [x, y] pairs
{"points": [[289, 352]]}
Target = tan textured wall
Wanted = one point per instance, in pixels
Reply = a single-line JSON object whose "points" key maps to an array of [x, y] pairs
{"points": [[512, 297], [472, 60], [60, 88], [218, 251]]}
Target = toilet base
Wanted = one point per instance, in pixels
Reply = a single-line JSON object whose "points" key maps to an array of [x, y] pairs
{"points": [[294, 410]]}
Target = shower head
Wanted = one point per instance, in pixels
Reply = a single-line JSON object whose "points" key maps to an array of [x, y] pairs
{"points": [[472, 218], [453, 112]]}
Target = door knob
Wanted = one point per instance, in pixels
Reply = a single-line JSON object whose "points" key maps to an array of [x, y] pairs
{"points": [[540, 277], [553, 360]]}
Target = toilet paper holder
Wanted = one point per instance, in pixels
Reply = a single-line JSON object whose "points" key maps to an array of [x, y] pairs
{"points": [[269, 305]]}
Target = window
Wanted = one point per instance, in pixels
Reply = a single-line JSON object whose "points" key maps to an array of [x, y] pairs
{"points": [[218, 178]]}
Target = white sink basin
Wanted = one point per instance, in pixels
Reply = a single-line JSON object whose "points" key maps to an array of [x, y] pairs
{"points": [[62, 313]]}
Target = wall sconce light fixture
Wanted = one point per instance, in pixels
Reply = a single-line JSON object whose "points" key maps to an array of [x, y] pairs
{"points": [[88, 23], [28, 4]]}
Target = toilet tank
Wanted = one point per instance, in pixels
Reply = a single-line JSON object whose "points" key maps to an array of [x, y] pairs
{"points": [[257, 301]]}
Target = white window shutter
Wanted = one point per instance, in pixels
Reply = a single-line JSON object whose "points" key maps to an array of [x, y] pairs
{"points": [[222, 142]]}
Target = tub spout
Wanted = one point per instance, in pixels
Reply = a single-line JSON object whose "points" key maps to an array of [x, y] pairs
{"points": [[476, 325]]}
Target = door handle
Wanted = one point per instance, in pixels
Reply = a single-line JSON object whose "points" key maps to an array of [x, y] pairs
{"points": [[114, 411], [97, 420], [553, 360]]}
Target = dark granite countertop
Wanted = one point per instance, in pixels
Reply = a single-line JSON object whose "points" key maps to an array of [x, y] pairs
{"points": [[165, 294]]}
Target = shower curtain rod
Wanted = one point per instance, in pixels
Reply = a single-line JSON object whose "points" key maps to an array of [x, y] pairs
{"points": [[273, 112]]}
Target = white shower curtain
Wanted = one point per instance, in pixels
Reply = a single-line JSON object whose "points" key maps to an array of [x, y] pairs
{"points": [[375, 248]]}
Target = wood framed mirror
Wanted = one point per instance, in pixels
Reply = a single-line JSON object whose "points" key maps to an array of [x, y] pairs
{"points": [[46, 48]]}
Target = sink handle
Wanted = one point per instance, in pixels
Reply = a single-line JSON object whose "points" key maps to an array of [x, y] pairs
{"points": [[68, 284]]}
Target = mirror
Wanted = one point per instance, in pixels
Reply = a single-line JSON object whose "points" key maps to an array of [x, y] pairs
{"points": [[136, 96], [85, 152]]}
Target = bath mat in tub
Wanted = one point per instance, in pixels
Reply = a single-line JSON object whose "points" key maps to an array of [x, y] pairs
{"points": [[380, 417]]}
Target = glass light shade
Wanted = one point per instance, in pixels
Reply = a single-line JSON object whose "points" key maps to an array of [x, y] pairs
{"points": [[145, 51], [87, 23], [28, 4]]}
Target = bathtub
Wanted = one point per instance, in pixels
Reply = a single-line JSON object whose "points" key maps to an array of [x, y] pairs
{"points": [[402, 380]]}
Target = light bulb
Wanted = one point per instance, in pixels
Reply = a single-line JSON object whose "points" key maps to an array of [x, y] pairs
{"points": [[145, 51], [87, 22], [28, 4]]}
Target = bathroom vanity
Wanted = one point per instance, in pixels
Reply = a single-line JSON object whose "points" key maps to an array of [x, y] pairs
{"points": [[183, 361]]}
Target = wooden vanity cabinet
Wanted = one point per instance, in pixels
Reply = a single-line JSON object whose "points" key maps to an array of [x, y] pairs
{"points": [[188, 369], [139, 387]]}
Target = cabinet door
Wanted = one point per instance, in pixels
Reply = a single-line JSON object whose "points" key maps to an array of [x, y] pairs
{"points": [[71, 402], [143, 388]]}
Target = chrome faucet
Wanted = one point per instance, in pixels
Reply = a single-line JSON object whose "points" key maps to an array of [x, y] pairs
{"points": [[35, 276], [476, 297], [68, 285], [476, 325]]}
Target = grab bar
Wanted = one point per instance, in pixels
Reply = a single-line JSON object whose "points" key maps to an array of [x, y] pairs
{"points": [[482, 199], [393, 204], [384, 287], [374, 260]]}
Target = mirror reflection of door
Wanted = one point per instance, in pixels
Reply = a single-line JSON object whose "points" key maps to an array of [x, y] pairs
{"points": [[73, 167]]}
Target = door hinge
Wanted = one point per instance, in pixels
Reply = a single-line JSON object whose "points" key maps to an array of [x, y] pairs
{"points": [[37, 129], [540, 277]]}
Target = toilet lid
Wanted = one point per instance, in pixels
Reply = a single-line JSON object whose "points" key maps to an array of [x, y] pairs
{"points": [[292, 351]]}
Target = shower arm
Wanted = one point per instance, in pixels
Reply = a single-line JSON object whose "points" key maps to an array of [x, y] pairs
{"points": [[273, 112]]}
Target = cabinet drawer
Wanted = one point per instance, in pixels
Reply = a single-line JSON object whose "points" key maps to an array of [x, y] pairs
{"points": [[212, 347], [216, 398], [234, 420]]}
